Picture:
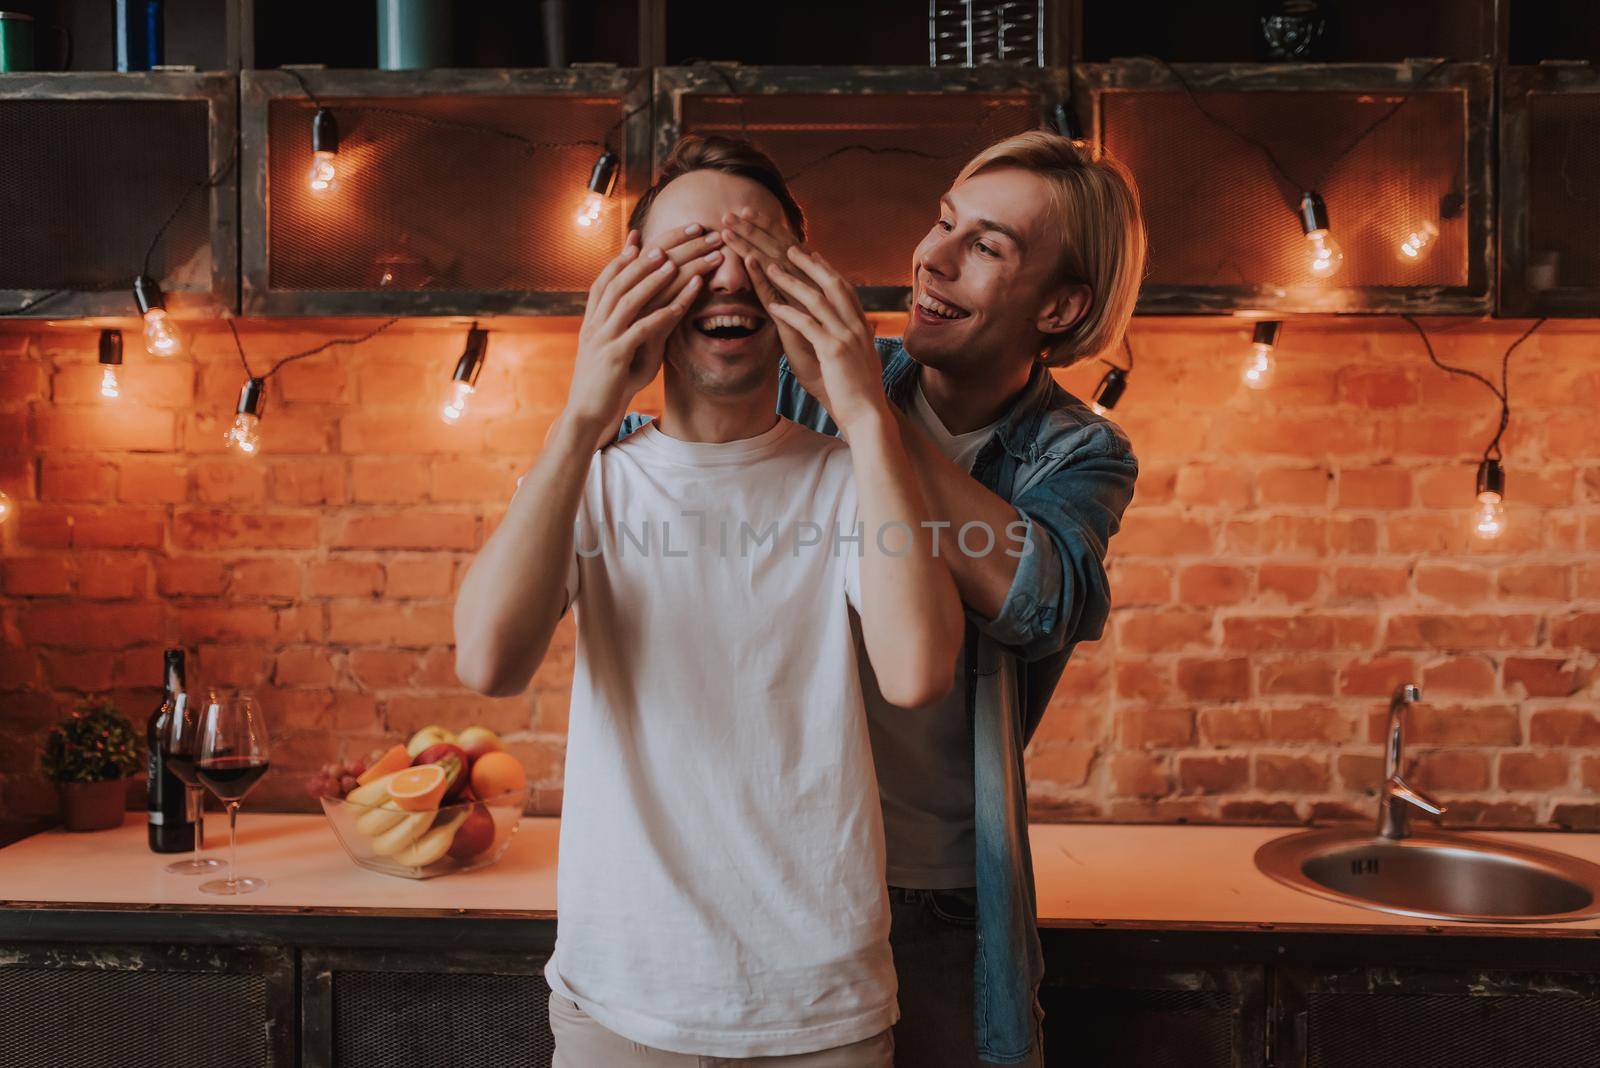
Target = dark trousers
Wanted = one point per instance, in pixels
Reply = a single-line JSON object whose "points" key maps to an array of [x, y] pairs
{"points": [[934, 937]]}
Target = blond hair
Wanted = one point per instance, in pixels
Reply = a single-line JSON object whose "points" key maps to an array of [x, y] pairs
{"points": [[1096, 206]]}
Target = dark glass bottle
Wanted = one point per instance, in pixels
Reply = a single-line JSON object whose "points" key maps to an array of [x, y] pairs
{"points": [[171, 830]]}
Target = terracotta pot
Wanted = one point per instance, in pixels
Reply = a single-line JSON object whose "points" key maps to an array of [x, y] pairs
{"points": [[92, 806]]}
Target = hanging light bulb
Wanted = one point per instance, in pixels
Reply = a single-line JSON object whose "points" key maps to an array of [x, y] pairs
{"points": [[323, 178], [1109, 391], [1489, 520], [161, 335], [1258, 365], [1419, 241], [1323, 254], [601, 181], [5, 506], [465, 379], [110, 360], [245, 433]]}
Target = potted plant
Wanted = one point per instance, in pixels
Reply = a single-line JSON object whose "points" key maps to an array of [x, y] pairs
{"points": [[90, 755]]}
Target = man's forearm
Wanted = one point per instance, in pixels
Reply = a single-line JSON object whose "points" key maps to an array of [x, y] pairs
{"points": [[911, 617], [514, 593], [956, 498]]}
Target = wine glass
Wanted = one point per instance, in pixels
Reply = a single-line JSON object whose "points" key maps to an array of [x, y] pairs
{"points": [[183, 746], [233, 757]]}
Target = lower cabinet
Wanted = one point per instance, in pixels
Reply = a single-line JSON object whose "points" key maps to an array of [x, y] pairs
{"points": [[380, 1009]]}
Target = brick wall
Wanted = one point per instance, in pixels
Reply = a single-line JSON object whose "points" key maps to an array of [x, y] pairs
{"points": [[1290, 558]]}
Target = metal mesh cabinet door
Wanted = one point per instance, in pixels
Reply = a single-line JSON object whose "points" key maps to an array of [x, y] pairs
{"points": [[1223, 153], [138, 1006], [1550, 190], [95, 166], [1472, 1018], [383, 1009], [456, 192], [1155, 1017], [867, 151]]}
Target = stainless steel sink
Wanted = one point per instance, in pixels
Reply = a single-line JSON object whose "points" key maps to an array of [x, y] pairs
{"points": [[1435, 875]]}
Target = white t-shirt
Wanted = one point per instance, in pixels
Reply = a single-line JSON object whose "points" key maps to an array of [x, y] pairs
{"points": [[924, 755], [721, 883]]}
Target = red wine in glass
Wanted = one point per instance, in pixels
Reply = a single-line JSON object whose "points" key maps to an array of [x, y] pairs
{"points": [[182, 765], [182, 743], [230, 777]]}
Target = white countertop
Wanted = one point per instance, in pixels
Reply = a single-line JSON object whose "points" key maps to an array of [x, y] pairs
{"points": [[1114, 875]]}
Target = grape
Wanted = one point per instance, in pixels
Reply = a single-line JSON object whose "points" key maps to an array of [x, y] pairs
{"points": [[356, 768], [316, 786], [330, 770], [346, 784]]}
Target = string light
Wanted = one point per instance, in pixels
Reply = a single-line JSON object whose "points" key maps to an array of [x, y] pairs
{"points": [[6, 507], [1419, 240], [602, 179], [1489, 522], [161, 335], [1114, 383], [245, 433], [110, 360], [1259, 365], [465, 379], [323, 177], [1323, 254]]}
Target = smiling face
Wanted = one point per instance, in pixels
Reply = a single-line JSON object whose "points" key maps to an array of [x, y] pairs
{"points": [[985, 285], [726, 345]]}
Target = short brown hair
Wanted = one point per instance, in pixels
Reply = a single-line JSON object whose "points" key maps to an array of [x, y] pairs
{"points": [[730, 156], [1102, 233]]}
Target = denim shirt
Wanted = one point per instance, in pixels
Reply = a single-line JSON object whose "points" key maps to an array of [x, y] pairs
{"points": [[1069, 474]]}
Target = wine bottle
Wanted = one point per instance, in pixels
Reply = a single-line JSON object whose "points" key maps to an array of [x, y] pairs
{"points": [[171, 829]]}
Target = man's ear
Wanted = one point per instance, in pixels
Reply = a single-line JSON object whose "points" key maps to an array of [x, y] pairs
{"points": [[1065, 308]]}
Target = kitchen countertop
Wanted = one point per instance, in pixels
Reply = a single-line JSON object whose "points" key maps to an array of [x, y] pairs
{"points": [[1162, 876]]}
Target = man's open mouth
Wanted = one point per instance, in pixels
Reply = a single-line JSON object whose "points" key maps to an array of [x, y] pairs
{"points": [[729, 327], [940, 309]]}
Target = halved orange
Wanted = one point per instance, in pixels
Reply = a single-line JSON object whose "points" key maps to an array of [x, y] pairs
{"points": [[395, 759], [418, 788]]}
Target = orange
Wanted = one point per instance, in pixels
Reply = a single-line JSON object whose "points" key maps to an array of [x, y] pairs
{"points": [[418, 788], [393, 760], [495, 774]]}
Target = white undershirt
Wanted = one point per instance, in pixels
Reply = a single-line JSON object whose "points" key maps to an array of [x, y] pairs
{"points": [[721, 884]]}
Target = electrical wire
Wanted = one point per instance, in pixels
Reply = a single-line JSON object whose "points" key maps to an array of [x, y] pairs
{"points": [[211, 181], [1501, 392], [292, 357], [28, 305]]}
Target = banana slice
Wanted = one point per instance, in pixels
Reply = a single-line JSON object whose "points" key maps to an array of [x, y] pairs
{"points": [[375, 821], [402, 834], [375, 792], [433, 845]]}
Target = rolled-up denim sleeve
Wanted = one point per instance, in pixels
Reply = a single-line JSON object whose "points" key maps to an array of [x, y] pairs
{"points": [[1060, 594]]}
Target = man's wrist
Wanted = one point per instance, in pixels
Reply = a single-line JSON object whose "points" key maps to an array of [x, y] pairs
{"points": [[576, 430]]}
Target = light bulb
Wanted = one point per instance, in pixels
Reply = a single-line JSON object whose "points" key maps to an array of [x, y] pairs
{"points": [[1323, 254], [1109, 391], [589, 214], [5, 506], [1258, 364], [455, 404], [1418, 241], [244, 434], [323, 176], [161, 334], [1489, 521], [110, 360], [108, 383]]}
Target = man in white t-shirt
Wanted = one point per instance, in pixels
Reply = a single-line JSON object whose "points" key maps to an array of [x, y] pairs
{"points": [[721, 883]]}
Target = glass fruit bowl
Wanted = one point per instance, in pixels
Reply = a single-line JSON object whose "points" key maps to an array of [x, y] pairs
{"points": [[462, 836]]}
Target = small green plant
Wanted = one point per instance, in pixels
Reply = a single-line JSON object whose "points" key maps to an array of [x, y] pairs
{"points": [[94, 744]]}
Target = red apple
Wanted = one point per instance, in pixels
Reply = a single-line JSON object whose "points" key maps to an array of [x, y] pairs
{"points": [[476, 741], [474, 836], [453, 760]]}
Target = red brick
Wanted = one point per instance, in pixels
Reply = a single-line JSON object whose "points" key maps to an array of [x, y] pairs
{"points": [[1360, 771], [382, 434], [1212, 774], [270, 577], [503, 715], [1430, 724], [299, 622], [1215, 680], [1589, 773], [20, 380], [1451, 769], [1294, 485], [118, 528], [1565, 726], [388, 480], [1162, 630], [1294, 583], [1542, 677], [436, 670], [1259, 812], [85, 672], [39, 576], [415, 625], [1577, 631], [428, 576], [92, 626], [1427, 532], [1144, 679], [303, 667], [1212, 487], [1462, 632], [313, 381], [244, 530], [306, 480], [1310, 723], [1208, 584], [1451, 436], [202, 622], [284, 432], [128, 429], [1313, 437], [1139, 583], [407, 530], [484, 480], [1157, 728], [110, 577], [1377, 387], [1533, 771], [1139, 775], [152, 480], [1060, 765], [382, 387], [231, 665], [1282, 633], [1535, 582], [233, 479], [1370, 583], [19, 668], [344, 578], [1299, 675], [1280, 773], [69, 479], [1277, 536], [386, 669], [196, 576], [148, 384], [1461, 674], [1447, 487], [1379, 677], [1375, 487], [1454, 585], [1576, 817], [1154, 534]]}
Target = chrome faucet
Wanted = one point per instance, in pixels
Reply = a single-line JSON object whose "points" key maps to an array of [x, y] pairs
{"points": [[1395, 798]]}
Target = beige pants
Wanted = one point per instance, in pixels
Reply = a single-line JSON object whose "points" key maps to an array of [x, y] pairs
{"points": [[583, 1043]]}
